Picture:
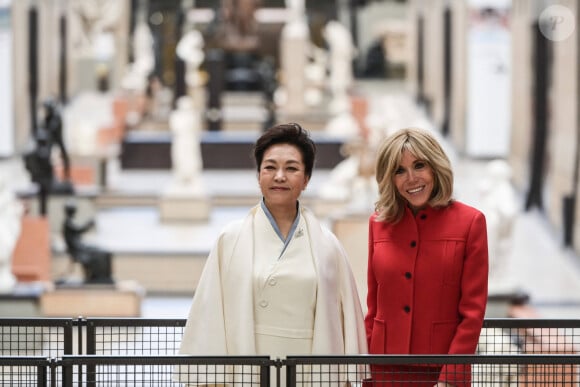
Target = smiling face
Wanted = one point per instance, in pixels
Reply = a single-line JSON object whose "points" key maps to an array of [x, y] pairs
{"points": [[414, 180], [282, 177]]}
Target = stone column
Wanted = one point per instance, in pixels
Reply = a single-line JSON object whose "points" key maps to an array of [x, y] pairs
{"points": [[521, 100]]}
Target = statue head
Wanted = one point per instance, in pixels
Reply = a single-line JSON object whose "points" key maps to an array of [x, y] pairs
{"points": [[50, 106], [185, 103], [70, 208]]}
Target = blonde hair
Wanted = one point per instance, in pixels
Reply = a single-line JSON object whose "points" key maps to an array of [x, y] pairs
{"points": [[390, 206]]}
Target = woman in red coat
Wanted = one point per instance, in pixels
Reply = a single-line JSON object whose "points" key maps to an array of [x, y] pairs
{"points": [[427, 264]]}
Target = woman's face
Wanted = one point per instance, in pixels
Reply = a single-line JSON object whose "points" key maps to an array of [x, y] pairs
{"points": [[414, 180], [282, 175]]}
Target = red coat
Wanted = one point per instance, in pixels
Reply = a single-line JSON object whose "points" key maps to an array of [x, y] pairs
{"points": [[427, 282]]}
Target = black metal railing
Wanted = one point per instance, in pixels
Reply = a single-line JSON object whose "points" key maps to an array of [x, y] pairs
{"points": [[159, 371], [25, 371], [56, 352], [300, 371], [419, 370], [126, 336], [48, 337]]}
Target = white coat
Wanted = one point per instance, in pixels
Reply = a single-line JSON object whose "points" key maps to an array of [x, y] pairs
{"points": [[221, 320]]}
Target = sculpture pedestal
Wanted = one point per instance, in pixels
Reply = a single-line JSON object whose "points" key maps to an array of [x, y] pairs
{"points": [[500, 303], [175, 206], [31, 259], [327, 207], [122, 299], [352, 230], [23, 300]]}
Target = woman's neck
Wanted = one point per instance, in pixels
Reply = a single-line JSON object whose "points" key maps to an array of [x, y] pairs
{"points": [[284, 217]]}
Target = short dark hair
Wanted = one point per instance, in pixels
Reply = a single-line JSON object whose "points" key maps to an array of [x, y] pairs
{"points": [[292, 134]]}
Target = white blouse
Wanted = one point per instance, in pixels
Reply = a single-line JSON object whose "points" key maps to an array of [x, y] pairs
{"points": [[285, 288]]}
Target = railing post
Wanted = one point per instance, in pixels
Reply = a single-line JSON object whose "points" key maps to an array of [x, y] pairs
{"points": [[67, 374], [290, 374], [41, 378], [68, 338], [53, 364], [265, 375], [91, 350], [81, 323]]}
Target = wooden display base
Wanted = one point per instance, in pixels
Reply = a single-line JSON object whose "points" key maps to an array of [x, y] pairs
{"points": [[163, 272], [119, 300], [184, 208]]}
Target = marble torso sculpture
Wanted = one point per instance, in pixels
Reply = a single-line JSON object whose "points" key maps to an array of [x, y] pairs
{"points": [[136, 77]]}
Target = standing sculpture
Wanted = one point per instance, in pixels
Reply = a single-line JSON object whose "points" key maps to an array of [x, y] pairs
{"points": [[52, 124], [342, 52], [190, 50], [39, 159], [185, 124], [137, 73]]}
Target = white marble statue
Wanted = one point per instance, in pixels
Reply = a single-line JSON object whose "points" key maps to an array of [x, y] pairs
{"points": [[10, 224], [500, 205], [83, 117], [190, 50], [187, 165], [342, 52], [315, 76], [138, 71], [296, 7], [353, 180], [343, 125]]}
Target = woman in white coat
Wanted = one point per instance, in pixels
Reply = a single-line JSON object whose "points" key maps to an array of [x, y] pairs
{"points": [[277, 282]]}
